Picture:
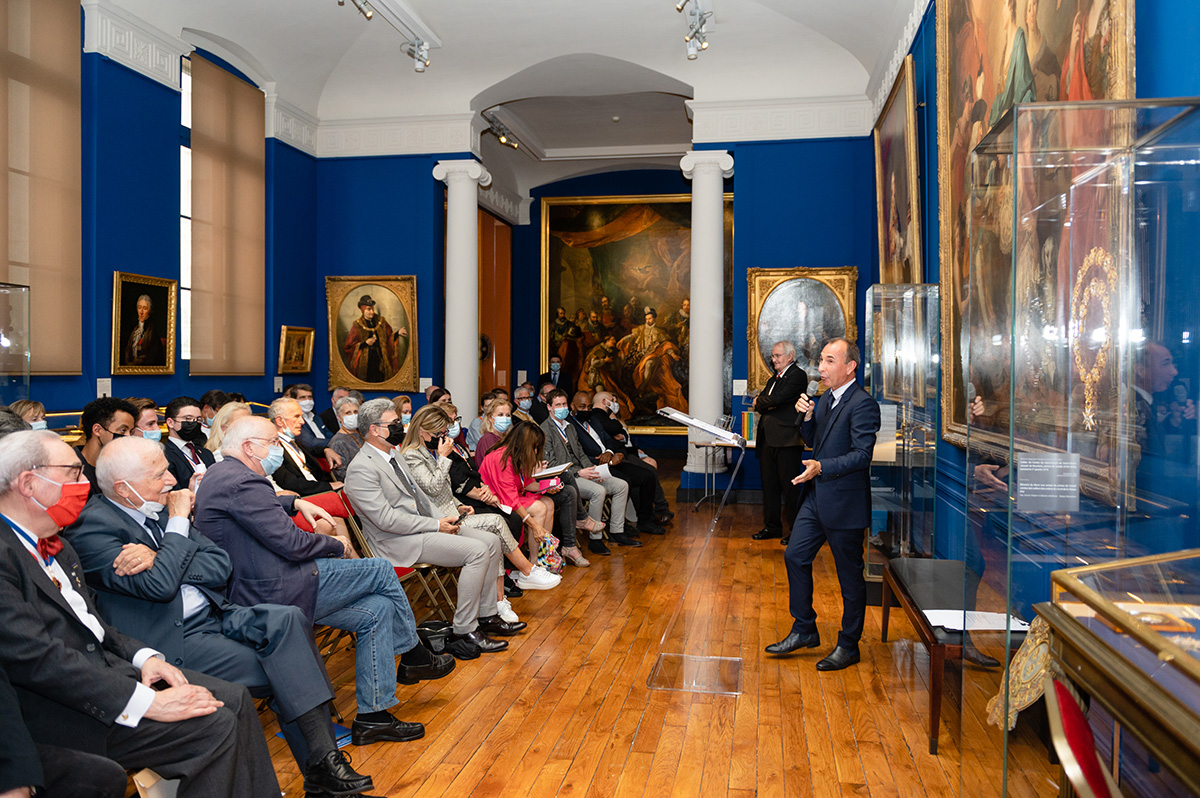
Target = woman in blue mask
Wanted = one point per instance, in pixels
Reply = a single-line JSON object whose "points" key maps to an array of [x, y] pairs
{"points": [[348, 440], [30, 411]]}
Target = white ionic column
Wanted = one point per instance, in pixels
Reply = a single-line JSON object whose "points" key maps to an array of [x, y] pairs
{"points": [[462, 281], [706, 389]]}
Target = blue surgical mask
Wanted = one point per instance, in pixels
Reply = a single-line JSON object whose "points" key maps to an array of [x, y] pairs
{"points": [[561, 413], [555, 366], [525, 404], [152, 434], [273, 460], [454, 429], [405, 418], [502, 423], [38, 424]]}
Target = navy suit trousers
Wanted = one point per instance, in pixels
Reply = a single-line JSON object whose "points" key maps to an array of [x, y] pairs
{"points": [[808, 535]]}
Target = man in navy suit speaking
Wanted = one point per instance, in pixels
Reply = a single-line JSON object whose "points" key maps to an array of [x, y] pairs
{"points": [[836, 503]]}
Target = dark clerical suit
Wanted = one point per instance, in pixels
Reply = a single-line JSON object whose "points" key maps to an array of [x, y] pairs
{"points": [[267, 647], [73, 684], [835, 507], [779, 445], [181, 463]]}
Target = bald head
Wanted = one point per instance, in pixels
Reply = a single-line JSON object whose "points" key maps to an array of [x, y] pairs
{"points": [[130, 459]]}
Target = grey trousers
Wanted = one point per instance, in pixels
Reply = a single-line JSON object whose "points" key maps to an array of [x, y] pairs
{"points": [[594, 492], [477, 552]]}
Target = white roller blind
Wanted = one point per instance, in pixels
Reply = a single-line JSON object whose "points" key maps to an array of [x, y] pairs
{"points": [[228, 223], [40, 174]]}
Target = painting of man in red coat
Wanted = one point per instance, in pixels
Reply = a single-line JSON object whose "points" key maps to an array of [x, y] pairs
{"points": [[372, 348]]}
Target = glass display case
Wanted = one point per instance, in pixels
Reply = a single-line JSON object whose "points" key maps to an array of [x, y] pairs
{"points": [[1126, 632], [14, 342], [901, 373], [1079, 369]]}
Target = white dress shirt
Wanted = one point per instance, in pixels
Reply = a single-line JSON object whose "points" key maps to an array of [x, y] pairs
{"points": [[143, 696], [198, 467], [838, 393]]}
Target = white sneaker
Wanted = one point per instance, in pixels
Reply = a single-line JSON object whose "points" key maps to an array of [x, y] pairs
{"points": [[539, 579], [505, 611]]}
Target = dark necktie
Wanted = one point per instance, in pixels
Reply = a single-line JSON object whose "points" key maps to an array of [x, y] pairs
{"points": [[156, 531], [193, 454], [400, 473]]}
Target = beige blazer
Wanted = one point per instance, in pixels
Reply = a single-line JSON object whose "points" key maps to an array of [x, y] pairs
{"points": [[392, 513]]}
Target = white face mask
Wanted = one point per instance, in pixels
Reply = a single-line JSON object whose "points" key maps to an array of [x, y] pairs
{"points": [[613, 407], [307, 405], [350, 421], [148, 509]]}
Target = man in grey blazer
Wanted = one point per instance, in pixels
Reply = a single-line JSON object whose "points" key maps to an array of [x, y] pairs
{"points": [[400, 523], [562, 446], [177, 603]]}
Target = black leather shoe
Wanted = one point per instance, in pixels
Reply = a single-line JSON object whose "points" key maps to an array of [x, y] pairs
{"points": [[596, 546], [482, 642], [439, 667], [764, 534], [624, 540], [794, 642], [840, 658], [972, 654], [397, 731], [664, 517], [462, 648], [783, 541], [511, 588], [651, 529], [495, 625], [334, 776]]}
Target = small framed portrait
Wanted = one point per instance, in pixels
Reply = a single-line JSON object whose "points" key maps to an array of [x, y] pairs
{"points": [[804, 306], [295, 349], [144, 313], [373, 333]]}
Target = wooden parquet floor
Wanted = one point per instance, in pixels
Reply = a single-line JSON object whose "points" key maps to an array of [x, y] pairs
{"points": [[566, 710]]}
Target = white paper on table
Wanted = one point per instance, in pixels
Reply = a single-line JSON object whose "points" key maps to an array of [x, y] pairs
{"points": [[974, 621]]}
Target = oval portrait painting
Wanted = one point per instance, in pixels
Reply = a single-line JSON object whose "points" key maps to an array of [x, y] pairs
{"points": [[373, 330], [804, 311]]}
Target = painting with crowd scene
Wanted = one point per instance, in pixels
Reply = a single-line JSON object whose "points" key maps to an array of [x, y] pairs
{"points": [[896, 184], [806, 306], [373, 332], [295, 349], [993, 54], [616, 279], [143, 339]]}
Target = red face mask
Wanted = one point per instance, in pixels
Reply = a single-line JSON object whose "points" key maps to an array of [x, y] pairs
{"points": [[70, 502]]}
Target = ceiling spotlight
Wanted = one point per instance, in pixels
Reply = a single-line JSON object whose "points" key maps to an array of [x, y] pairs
{"points": [[679, 6], [363, 8], [693, 50], [418, 51], [502, 134], [697, 37]]}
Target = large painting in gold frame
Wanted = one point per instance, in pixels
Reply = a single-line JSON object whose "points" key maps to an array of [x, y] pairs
{"points": [[604, 261], [897, 184], [991, 55], [143, 326], [801, 305], [387, 360]]}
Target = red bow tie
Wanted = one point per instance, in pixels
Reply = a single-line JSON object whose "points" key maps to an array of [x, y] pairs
{"points": [[48, 548]]}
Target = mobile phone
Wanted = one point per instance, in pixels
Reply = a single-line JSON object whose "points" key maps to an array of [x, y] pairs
{"points": [[459, 520]]}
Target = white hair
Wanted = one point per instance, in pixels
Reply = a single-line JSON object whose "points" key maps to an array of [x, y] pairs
{"points": [[127, 458], [345, 400], [244, 429], [788, 348], [277, 406], [21, 452]]}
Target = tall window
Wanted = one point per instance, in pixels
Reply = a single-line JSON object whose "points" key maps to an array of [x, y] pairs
{"points": [[185, 211], [227, 223], [40, 227]]}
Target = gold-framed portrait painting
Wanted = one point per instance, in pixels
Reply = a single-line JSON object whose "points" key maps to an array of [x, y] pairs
{"points": [[373, 332], [295, 349], [897, 184], [992, 55], [802, 305], [143, 327], [616, 280]]}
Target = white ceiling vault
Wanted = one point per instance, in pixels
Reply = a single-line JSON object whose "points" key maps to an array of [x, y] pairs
{"points": [[584, 86]]}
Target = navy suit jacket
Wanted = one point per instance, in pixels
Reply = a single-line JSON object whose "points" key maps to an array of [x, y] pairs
{"points": [[274, 561], [309, 438], [71, 687], [180, 465], [843, 440], [148, 605]]}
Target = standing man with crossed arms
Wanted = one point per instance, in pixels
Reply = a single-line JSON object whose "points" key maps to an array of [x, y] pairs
{"points": [[835, 506]]}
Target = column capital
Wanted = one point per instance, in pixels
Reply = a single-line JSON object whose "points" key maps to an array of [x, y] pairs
{"points": [[465, 169], [707, 161]]}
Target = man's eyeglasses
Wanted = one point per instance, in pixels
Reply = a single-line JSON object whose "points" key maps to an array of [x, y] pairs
{"points": [[266, 441], [74, 469]]}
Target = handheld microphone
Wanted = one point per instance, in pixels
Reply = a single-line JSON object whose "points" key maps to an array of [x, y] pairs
{"points": [[813, 387], [971, 393]]}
